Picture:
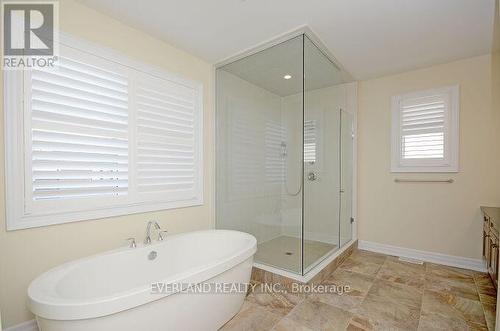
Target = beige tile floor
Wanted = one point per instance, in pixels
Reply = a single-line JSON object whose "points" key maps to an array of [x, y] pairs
{"points": [[284, 252], [385, 294]]}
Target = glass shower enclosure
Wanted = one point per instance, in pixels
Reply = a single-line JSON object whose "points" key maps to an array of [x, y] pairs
{"points": [[284, 154]]}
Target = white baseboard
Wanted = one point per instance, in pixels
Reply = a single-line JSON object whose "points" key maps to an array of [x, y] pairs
{"points": [[449, 260], [26, 326]]}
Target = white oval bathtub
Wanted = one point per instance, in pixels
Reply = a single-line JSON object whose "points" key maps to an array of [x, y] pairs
{"points": [[126, 290]]}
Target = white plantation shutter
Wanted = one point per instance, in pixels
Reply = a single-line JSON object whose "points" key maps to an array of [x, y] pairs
{"points": [[97, 136], [425, 131], [167, 139], [79, 130], [423, 127]]}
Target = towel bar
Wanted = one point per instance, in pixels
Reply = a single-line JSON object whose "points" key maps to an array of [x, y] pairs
{"points": [[398, 180]]}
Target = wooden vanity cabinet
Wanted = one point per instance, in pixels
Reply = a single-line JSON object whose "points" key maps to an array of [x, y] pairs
{"points": [[493, 260], [486, 240], [491, 222]]}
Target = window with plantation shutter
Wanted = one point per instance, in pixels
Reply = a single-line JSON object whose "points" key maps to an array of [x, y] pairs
{"points": [[425, 131], [98, 136]]}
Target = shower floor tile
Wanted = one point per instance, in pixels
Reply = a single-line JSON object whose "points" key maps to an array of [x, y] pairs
{"points": [[284, 252]]}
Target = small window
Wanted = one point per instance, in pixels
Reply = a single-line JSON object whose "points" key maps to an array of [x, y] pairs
{"points": [[425, 132], [99, 136]]}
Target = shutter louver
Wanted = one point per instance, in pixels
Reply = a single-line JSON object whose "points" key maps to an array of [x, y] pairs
{"points": [[310, 141], [423, 127], [275, 138], [246, 152], [166, 144], [79, 118]]}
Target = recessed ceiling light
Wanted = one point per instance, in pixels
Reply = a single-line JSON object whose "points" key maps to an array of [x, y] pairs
{"points": [[287, 76]]}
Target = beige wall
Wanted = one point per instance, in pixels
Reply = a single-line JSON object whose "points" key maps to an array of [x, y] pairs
{"points": [[495, 92], [25, 254], [441, 218], [495, 81]]}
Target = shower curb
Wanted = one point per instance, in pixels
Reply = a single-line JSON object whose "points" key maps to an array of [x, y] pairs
{"points": [[267, 277]]}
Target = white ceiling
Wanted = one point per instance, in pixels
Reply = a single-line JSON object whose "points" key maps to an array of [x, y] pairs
{"points": [[369, 38], [308, 67]]}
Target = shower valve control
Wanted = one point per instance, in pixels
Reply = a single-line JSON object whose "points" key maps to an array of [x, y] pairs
{"points": [[311, 176]]}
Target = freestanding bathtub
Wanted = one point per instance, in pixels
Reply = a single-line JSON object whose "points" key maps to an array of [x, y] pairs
{"points": [[149, 288]]}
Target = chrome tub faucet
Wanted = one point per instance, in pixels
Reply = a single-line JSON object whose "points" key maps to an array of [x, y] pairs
{"points": [[147, 240]]}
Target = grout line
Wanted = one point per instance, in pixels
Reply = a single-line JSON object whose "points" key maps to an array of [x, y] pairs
{"points": [[353, 314], [362, 273], [290, 312], [350, 318], [466, 299], [423, 293], [367, 291], [390, 281], [481, 302], [421, 307], [362, 301]]}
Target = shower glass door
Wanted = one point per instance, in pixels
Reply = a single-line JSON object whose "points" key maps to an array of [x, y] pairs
{"points": [[323, 99], [346, 176], [259, 151]]}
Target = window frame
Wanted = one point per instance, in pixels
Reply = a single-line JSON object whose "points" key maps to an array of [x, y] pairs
{"points": [[450, 163], [16, 171]]}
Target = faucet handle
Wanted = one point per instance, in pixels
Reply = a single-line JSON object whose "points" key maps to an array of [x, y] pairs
{"points": [[160, 234], [131, 242]]}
